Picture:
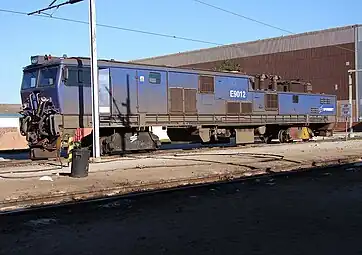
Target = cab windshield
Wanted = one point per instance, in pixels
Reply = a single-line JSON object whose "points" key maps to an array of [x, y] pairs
{"points": [[47, 76], [30, 79], [43, 77]]}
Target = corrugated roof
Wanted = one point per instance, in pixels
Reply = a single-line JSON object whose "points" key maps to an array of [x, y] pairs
{"points": [[10, 108], [327, 37]]}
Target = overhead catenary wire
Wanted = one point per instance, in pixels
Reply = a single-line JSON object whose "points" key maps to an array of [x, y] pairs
{"points": [[155, 33], [243, 16], [113, 27], [257, 21]]}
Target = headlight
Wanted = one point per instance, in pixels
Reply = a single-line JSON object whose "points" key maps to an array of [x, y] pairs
{"points": [[34, 60]]}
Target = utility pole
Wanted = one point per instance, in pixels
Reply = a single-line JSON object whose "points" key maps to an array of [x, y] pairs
{"points": [[94, 79], [350, 96], [94, 67]]}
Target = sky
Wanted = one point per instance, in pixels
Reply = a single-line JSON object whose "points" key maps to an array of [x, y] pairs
{"points": [[23, 36]]}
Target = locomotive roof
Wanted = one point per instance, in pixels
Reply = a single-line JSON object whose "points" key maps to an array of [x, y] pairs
{"points": [[50, 60], [113, 63]]}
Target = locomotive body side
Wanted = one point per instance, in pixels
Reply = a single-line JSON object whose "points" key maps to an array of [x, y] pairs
{"points": [[142, 106]]}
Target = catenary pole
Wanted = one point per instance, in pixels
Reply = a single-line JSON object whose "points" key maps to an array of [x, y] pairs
{"points": [[350, 98], [94, 67], [94, 79]]}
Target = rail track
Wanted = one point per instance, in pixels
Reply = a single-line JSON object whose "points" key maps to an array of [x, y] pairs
{"points": [[166, 150], [33, 203]]}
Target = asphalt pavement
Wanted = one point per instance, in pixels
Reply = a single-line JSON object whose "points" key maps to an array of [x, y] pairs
{"points": [[309, 213]]}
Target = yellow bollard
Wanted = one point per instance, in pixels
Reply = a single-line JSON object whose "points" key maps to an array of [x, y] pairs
{"points": [[306, 133], [70, 148], [59, 148]]}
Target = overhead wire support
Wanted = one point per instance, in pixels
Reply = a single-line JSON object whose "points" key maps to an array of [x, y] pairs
{"points": [[53, 2], [52, 6]]}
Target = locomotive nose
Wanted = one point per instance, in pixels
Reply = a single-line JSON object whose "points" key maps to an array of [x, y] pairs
{"points": [[37, 121]]}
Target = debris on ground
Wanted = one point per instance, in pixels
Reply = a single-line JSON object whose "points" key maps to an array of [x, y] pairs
{"points": [[44, 221], [45, 178]]}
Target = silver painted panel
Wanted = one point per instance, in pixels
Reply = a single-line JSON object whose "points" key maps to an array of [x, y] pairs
{"points": [[104, 92]]}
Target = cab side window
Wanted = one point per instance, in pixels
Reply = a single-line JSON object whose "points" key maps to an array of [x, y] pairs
{"points": [[79, 77], [154, 78], [295, 99]]}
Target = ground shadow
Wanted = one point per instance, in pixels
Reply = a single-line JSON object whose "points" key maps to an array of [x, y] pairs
{"points": [[262, 215]]}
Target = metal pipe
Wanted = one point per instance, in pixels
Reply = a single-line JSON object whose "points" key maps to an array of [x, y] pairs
{"points": [[350, 102], [94, 79]]}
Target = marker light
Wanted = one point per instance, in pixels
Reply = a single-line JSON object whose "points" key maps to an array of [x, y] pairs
{"points": [[34, 60]]}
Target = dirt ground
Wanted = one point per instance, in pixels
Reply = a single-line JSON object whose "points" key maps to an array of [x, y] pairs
{"points": [[311, 213], [17, 183]]}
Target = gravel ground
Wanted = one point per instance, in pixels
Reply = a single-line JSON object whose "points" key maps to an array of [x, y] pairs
{"points": [[309, 213]]}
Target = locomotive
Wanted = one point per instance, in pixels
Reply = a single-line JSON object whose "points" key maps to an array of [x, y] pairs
{"points": [[142, 106]]}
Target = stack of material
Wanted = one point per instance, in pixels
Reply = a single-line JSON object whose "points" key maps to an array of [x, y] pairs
{"points": [[10, 137]]}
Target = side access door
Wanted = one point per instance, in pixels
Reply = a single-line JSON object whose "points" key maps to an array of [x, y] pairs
{"points": [[152, 91]]}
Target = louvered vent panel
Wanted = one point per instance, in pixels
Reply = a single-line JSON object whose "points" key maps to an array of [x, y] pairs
{"points": [[233, 108], [176, 100], [190, 100], [246, 107], [206, 85], [271, 102]]}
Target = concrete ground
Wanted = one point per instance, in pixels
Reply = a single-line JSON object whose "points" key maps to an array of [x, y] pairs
{"points": [[141, 172], [310, 213]]}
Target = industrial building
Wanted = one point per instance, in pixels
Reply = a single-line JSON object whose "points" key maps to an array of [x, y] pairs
{"points": [[322, 58]]}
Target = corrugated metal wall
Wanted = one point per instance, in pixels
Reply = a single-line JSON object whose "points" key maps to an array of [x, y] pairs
{"points": [[343, 35], [324, 67]]}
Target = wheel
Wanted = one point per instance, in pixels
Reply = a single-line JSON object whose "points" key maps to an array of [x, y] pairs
{"points": [[283, 136], [265, 139]]}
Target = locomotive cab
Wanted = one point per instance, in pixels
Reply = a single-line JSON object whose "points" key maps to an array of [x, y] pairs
{"points": [[40, 100], [42, 79]]}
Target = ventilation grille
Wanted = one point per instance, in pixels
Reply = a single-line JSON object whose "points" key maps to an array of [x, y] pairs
{"points": [[183, 100], [233, 108], [314, 110], [206, 85], [325, 100], [176, 100], [271, 102], [246, 107], [190, 100]]}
